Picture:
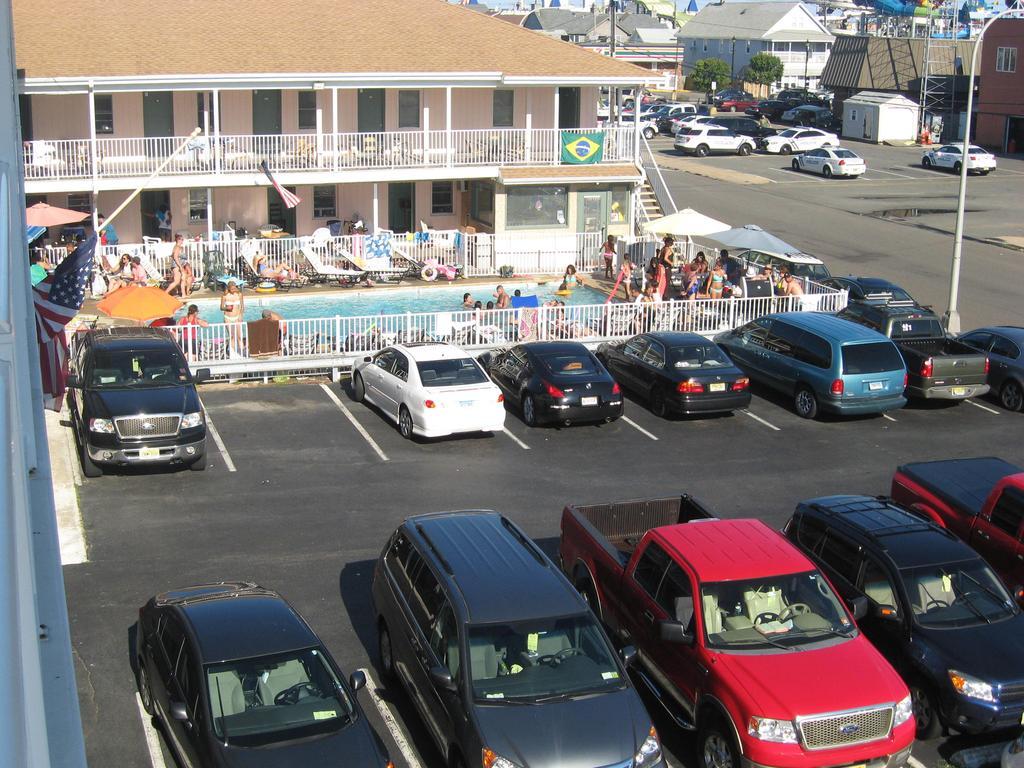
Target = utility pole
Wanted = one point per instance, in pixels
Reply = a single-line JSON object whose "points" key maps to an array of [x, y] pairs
{"points": [[732, 64], [807, 57], [614, 103]]}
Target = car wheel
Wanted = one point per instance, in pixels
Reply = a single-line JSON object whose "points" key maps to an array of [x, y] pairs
{"points": [[89, 467], [648, 133], [743, 150], [385, 654], [957, 166], [805, 403], [926, 715], [529, 410], [405, 423], [702, 150], [358, 388], [658, 406], [716, 746], [795, 164], [786, 149], [145, 692], [198, 466], [926, 162], [1011, 397], [826, 172]]}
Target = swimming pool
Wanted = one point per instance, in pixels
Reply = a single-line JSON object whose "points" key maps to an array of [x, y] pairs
{"points": [[387, 301]]}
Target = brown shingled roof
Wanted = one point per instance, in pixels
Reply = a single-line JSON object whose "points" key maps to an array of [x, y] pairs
{"points": [[110, 38]]}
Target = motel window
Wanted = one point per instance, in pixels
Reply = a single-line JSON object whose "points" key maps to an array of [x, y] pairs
{"points": [[481, 206], [307, 110], [104, 113], [1006, 59], [442, 200], [324, 202], [80, 201], [502, 108], [197, 206], [408, 109], [532, 207]]}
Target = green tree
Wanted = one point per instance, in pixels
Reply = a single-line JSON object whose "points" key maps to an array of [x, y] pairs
{"points": [[764, 69], [708, 71]]}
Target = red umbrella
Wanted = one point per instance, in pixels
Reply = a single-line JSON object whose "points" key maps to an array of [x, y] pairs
{"points": [[43, 215]]}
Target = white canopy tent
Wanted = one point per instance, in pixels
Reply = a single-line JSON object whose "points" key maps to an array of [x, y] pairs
{"points": [[685, 223]]}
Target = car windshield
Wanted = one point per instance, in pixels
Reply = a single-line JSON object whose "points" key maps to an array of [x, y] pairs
{"points": [[789, 133], [873, 357], [691, 356], [570, 364], [539, 660], [450, 373], [777, 611], [962, 594], [270, 699], [137, 368]]}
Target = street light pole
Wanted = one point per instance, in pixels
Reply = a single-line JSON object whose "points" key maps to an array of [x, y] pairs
{"points": [[732, 63], [807, 57], [952, 317]]}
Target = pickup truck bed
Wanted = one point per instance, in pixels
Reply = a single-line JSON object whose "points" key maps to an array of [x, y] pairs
{"points": [[964, 483]]}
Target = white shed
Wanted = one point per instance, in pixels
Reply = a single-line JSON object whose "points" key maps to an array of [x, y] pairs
{"points": [[875, 116]]}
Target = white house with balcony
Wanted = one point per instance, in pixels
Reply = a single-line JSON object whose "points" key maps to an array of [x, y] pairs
{"points": [[400, 115], [734, 32]]}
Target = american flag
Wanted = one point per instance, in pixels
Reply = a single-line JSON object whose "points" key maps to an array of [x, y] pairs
{"points": [[290, 199], [57, 299]]}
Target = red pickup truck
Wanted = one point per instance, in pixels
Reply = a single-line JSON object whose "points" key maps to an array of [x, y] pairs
{"points": [[739, 636], [980, 500]]}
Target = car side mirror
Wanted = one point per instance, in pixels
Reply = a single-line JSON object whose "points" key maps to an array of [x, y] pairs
{"points": [[71, 380], [201, 375], [674, 632], [367, 359], [441, 677], [628, 655], [859, 607], [357, 680], [887, 613], [178, 711]]}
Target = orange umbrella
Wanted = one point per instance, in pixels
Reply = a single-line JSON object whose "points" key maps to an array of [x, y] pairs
{"points": [[43, 215], [141, 303]]}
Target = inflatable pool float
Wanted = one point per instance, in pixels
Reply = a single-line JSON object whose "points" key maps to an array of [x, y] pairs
{"points": [[563, 293], [267, 286]]}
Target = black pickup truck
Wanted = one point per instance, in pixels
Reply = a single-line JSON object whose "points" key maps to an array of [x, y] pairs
{"points": [[939, 367]]}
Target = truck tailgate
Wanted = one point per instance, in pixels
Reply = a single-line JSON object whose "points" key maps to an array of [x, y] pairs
{"points": [[962, 483], [952, 361]]}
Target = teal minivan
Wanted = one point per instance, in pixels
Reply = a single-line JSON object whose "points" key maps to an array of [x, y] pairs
{"points": [[824, 362]]}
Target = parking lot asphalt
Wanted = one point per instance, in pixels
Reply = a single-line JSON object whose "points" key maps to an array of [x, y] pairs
{"points": [[309, 484]]}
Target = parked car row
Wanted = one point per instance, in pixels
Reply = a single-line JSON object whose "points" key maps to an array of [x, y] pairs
{"points": [[903, 628]]}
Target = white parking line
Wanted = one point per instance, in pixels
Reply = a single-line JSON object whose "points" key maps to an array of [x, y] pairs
{"points": [[156, 753], [515, 439], [893, 173], [983, 407], [757, 418], [359, 427], [638, 428], [391, 723], [888, 417], [913, 762], [220, 443]]}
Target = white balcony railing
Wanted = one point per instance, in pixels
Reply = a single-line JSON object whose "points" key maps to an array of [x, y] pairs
{"points": [[120, 158]]}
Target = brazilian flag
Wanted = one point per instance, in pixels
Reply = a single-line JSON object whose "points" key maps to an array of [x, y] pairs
{"points": [[582, 148]]}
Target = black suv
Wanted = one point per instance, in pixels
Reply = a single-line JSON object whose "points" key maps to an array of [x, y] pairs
{"points": [[938, 612], [133, 400], [744, 126], [502, 658], [237, 678]]}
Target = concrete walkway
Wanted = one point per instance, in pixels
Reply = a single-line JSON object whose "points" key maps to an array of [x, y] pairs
{"points": [[66, 479]]}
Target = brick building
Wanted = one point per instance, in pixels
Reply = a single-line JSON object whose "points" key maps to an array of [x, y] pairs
{"points": [[1000, 108]]}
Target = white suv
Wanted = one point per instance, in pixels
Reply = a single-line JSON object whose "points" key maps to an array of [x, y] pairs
{"points": [[702, 140]]}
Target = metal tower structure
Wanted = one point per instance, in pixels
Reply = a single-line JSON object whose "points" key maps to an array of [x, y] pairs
{"points": [[938, 91]]}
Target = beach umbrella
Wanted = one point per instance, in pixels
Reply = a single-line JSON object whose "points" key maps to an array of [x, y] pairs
{"points": [[139, 303], [753, 237], [685, 223], [43, 215]]}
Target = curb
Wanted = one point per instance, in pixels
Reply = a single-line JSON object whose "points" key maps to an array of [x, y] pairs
{"points": [[66, 480]]}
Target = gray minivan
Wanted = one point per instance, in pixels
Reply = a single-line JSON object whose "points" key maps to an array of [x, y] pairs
{"points": [[824, 362]]}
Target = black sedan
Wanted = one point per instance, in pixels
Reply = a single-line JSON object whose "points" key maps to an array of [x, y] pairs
{"points": [[1004, 344], [677, 373], [770, 108], [866, 289], [237, 678], [554, 382]]}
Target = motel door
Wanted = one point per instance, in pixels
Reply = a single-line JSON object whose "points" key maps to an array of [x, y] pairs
{"points": [[593, 212], [278, 213], [400, 207], [370, 110], [157, 119], [266, 113]]}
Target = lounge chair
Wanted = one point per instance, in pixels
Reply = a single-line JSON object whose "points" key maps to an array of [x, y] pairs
{"points": [[313, 267], [246, 263]]}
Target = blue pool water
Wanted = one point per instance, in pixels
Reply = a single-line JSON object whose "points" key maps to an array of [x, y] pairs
{"points": [[387, 301]]}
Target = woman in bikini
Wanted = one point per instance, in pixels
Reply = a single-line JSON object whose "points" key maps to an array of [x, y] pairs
{"points": [[121, 275], [181, 276], [232, 304], [267, 272], [193, 321], [608, 254], [717, 283]]}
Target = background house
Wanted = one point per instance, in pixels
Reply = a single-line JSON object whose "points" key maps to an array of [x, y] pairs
{"points": [[734, 32], [1000, 101]]}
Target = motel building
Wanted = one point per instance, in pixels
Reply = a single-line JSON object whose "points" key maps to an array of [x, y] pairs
{"points": [[402, 115]]}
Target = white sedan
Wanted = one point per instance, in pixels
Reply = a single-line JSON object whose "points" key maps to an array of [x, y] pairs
{"points": [[799, 140], [430, 390], [950, 156], [829, 162]]}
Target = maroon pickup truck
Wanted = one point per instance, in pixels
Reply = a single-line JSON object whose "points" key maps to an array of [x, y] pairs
{"points": [[980, 500], [739, 636]]}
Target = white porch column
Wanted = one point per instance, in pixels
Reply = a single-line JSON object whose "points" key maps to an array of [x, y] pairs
{"points": [[93, 155], [529, 125], [209, 214], [334, 126], [216, 131], [634, 201], [426, 135], [636, 127], [376, 208], [319, 134], [557, 124], [449, 154]]}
